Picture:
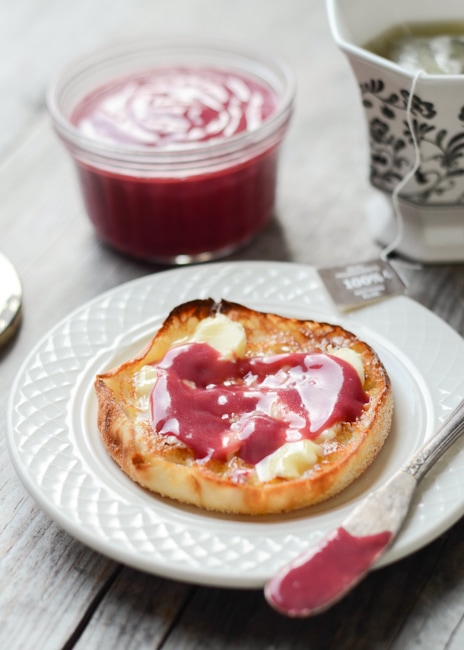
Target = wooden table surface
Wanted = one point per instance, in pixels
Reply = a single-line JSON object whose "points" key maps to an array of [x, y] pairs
{"points": [[57, 593]]}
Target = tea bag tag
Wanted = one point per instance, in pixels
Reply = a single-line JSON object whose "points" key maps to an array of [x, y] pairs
{"points": [[356, 285]]}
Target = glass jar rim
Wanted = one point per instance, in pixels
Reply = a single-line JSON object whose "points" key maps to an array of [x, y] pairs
{"points": [[255, 61]]}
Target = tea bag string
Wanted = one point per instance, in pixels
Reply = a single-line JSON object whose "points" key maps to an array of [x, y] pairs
{"points": [[405, 180]]}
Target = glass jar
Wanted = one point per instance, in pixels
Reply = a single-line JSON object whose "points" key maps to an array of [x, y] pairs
{"points": [[166, 200]]}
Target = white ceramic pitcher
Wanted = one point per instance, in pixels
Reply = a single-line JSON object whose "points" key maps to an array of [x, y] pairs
{"points": [[432, 201]]}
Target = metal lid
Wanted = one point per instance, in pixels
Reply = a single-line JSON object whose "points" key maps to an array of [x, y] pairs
{"points": [[10, 300]]}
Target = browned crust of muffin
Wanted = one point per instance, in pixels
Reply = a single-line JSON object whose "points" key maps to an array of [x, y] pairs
{"points": [[170, 469]]}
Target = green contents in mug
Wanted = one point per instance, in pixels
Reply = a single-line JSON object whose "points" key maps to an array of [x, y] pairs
{"points": [[434, 47]]}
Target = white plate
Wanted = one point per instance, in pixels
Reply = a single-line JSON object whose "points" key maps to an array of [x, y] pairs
{"points": [[56, 449]]}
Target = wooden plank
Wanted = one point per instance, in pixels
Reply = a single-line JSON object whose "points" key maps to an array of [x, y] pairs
{"points": [[440, 288], [366, 620], [138, 612], [48, 578], [56, 592], [437, 618]]}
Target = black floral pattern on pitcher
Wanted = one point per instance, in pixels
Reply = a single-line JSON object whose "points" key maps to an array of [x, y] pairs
{"points": [[442, 154]]}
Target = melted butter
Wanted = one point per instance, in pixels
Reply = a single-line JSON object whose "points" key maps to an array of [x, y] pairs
{"points": [[351, 357], [258, 414], [251, 407], [289, 461], [223, 334], [327, 435], [143, 382]]}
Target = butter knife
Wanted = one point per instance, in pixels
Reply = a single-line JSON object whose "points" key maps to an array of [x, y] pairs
{"points": [[10, 300], [326, 572]]}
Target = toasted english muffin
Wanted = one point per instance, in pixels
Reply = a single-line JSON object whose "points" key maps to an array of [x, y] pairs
{"points": [[238, 411]]}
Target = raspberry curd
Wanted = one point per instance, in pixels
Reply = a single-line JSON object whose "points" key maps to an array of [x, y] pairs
{"points": [[177, 160]]}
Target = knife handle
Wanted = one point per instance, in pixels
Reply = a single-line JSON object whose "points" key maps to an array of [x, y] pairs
{"points": [[447, 433]]}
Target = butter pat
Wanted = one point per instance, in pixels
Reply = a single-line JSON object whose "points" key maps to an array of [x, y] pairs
{"points": [[328, 434], [225, 335], [143, 383], [289, 461], [351, 357]]}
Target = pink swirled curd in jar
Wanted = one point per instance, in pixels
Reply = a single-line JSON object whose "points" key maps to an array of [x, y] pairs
{"points": [[175, 106], [177, 161]]}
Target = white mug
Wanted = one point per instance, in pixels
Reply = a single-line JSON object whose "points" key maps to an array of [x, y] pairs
{"points": [[431, 202]]}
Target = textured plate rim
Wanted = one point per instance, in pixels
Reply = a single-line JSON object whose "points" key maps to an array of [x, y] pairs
{"points": [[220, 578]]}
